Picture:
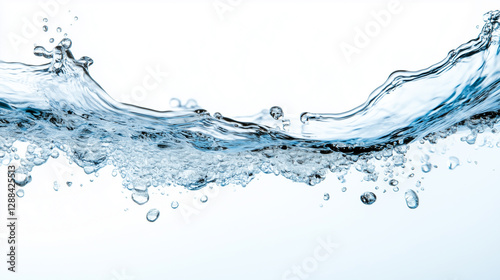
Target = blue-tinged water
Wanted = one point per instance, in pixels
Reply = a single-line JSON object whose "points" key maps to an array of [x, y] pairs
{"points": [[58, 108]]}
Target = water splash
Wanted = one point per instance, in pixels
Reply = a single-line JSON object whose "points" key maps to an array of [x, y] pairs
{"points": [[58, 107]]}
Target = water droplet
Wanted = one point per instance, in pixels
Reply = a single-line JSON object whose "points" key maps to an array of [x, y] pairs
{"points": [[20, 193], [218, 115], [304, 117], [174, 204], [393, 182], [395, 189], [411, 199], [76, 18], [69, 184], [153, 215], [426, 168], [453, 162], [114, 173], [175, 103], [66, 43], [204, 199], [368, 198], [276, 112], [59, 29], [418, 184], [140, 197], [344, 189], [45, 19], [45, 28], [56, 186], [22, 179], [51, 40], [326, 196]]}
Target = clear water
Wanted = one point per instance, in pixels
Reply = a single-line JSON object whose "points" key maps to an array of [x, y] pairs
{"points": [[57, 108]]}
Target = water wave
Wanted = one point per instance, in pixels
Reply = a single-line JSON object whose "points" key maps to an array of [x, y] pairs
{"points": [[59, 107]]}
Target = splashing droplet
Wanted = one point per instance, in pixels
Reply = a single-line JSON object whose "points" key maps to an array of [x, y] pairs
{"points": [[175, 103], [326, 196], [45, 19], [56, 186], [218, 115], [344, 189], [393, 182], [395, 189], [174, 204], [453, 162], [368, 198], [76, 18], [59, 29], [66, 43], [45, 28], [191, 104], [304, 118], [411, 199], [85, 61], [276, 112], [153, 215], [41, 51], [51, 40], [69, 184], [204, 199]]}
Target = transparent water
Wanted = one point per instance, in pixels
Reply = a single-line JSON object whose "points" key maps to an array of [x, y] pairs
{"points": [[57, 108]]}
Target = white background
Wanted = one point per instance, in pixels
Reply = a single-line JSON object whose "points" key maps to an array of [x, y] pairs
{"points": [[255, 55]]}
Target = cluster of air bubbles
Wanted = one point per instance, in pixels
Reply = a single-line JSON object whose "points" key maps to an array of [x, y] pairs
{"points": [[153, 215], [368, 198], [190, 103], [276, 112], [411, 199]]}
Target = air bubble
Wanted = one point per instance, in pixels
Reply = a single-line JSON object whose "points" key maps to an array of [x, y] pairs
{"points": [[59, 29], [174, 204], [56, 186], [411, 199], [204, 199], [393, 182], [344, 189], [45, 28], [51, 40], [153, 215], [69, 184], [20, 193], [276, 112], [368, 198], [453, 162], [326, 196], [140, 197], [45, 19], [426, 168], [76, 18]]}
